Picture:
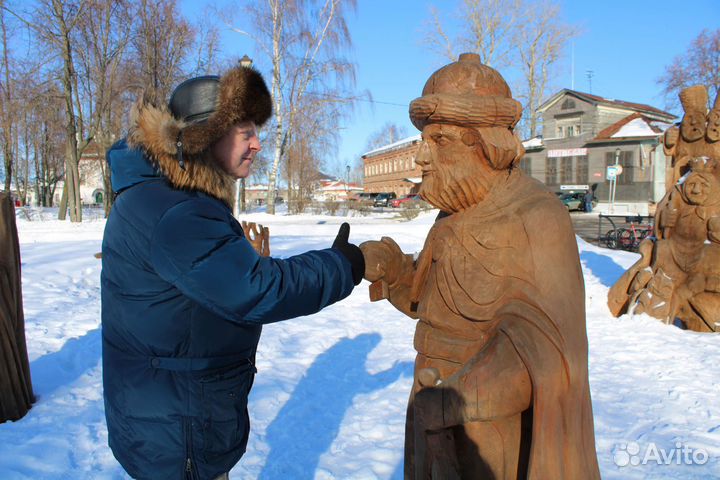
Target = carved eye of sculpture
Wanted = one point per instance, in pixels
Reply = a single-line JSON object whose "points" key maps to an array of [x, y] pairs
{"points": [[440, 139]]}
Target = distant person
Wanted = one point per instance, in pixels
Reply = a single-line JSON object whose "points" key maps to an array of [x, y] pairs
{"points": [[588, 198], [184, 294]]}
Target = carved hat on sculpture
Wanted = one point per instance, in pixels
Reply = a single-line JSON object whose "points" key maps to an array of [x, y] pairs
{"points": [[469, 94], [466, 93]]}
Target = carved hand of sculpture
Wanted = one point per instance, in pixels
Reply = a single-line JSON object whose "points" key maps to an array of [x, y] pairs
{"points": [[383, 260], [656, 298], [493, 384], [630, 284], [258, 236], [391, 270], [669, 218], [438, 404]]}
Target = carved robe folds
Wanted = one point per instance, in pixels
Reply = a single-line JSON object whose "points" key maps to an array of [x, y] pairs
{"points": [[501, 370]]}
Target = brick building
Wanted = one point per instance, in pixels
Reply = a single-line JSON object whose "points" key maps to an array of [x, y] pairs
{"points": [[392, 168]]}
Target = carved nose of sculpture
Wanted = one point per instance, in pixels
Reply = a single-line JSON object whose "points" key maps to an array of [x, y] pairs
{"points": [[423, 156]]}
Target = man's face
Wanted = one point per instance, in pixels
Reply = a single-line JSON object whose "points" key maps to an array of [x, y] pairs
{"points": [[454, 173], [235, 151], [697, 188]]}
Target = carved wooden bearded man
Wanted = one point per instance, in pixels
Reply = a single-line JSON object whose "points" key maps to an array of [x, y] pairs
{"points": [[501, 384]]}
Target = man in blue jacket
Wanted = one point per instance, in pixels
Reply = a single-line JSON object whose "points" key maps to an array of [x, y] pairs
{"points": [[184, 294]]}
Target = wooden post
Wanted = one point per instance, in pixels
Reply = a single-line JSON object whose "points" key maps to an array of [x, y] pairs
{"points": [[16, 395]]}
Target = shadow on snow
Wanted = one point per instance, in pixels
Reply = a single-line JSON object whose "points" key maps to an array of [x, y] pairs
{"points": [[57, 369], [603, 267], [308, 423]]}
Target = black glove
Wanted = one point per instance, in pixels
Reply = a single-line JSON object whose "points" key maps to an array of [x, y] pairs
{"points": [[351, 251]]}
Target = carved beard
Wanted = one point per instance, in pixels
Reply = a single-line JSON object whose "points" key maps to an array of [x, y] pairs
{"points": [[452, 188]]}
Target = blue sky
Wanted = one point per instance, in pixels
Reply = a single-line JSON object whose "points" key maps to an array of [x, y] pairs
{"points": [[626, 44]]}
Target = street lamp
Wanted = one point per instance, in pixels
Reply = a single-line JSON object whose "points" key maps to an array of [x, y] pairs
{"points": [[347, 180], [613, 182], [245, 62]]}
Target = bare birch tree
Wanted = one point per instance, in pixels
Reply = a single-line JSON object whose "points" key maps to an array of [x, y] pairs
{"points": [[161, 46], [206, 59], [303, 41], [525, 34], [56, 20], [8, 103], [699, 66], [437, 38], [486, 28], [388, 133], [315, 133], [85, 51], [540, 39], [53, 23], [49, 136], [102, 41]]}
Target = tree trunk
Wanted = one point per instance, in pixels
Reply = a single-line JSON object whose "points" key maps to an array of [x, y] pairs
{"points": [[109, 197], [16, 395], [62, 211]]}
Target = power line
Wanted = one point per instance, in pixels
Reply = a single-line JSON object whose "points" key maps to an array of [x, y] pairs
{"points": [[359, 99]]}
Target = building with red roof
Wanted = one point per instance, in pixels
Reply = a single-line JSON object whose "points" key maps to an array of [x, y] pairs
{"points": [[584, 134]]}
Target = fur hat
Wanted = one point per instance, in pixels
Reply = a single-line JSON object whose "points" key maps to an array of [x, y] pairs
{"points": [[178, 137], [239, 96]]}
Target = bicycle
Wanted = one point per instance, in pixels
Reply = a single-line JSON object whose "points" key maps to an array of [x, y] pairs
{"points": [[630, 238]]}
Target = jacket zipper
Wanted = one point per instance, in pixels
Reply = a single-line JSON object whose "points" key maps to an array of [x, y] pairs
{"points": [[189, 473]]}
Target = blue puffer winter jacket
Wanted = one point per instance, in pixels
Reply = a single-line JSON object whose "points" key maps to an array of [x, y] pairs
{"points": [[184, 296]]}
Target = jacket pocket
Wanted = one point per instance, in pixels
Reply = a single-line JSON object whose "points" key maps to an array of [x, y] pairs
{"points": [[225, 418]]}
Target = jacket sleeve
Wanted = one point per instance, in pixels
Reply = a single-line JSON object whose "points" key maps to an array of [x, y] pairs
{"points": [[199, 248]]}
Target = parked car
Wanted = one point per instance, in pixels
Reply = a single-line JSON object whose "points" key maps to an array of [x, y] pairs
{"points": [[403, 201], [363, 197], [576, 201], [383, 199]]}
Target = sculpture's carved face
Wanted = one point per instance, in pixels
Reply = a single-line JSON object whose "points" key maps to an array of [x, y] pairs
{"points": [[455, 174], [698, 187]]}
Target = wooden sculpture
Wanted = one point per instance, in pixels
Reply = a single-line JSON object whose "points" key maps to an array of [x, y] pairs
{"points": [[677, 277], [258, 236], [16, 392], [501, 382]]}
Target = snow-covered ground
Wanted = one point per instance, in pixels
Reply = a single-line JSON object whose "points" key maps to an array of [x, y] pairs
{"points": [[329, 399]]}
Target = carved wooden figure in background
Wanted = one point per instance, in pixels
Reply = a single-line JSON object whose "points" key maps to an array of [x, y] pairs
{"points": [[258, 236], [501, 382], [678, 273], [16, 392]]}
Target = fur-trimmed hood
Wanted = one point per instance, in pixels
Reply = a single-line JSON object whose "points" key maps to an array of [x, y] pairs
{"points": [[154, 131], [180, 149]]}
